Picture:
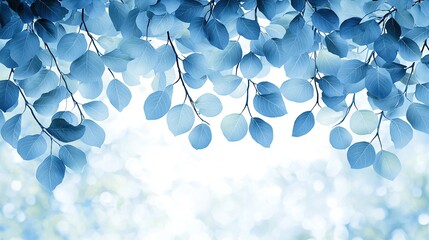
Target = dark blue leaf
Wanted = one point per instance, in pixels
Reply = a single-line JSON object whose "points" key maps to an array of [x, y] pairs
{"points": [[396, 70], [217, 34], [11, 130], [393, 28], [418, 117], [234, 127], [340, 138], [157, 105], [248, 28], [71, 46], [180, 119], [66, 115], [32, 146], [261, 131], [119, 95], [378, 82], [350, 28], [303, 124], [189, 10], [361, 155], [46, 30], [409, 50], [200, 137], [50, 172], [337, 45], [297, 90], [226, 10], [274, 52], [331, 86], [298, 4], [368, 33], [401, 132], [94, 135], [267, 7], [325, 20], [13, 27], [387, 165], [386, 47], [129, 27], [64, 131], [49, 9], [9, 93], [73, 157]]}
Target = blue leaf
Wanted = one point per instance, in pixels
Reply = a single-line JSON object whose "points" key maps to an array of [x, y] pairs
{"points": [[234, 127], [261, 131], [73, 157], [71, 46], [409, 50], [157, 105], [9, 93], [94, 134], [418, 117], [352, 71], [274, 52], [226, 10], [192, 82], [116, 60], [350, 28], [23, 47], [340, 138], [303, 124], [64, 131], [224, 85], [13, 27], [401, 132], [227, 58], [368, 33], [161, 24], [91, 90], [298, 42], [200, 137], [87, 68], [325, 20], [386, 47], [250, 65], [189, 10], [299, 66], [130, 28], [208, 105], [269, 105], [422, 93], [393, 28], [67, 116], [378, 82], [298, 4], [29, 69], [46, 30], [297, 90], [97, 110], [11, 130], [1, 120], [267, 7], [32, 146], [180, 119], [396, 71], [217, 34], [166, 58], [361, 155], [331, 86], [248, 28], [196, 65], [363, 122], [337, 45], [118, 13], [49, 102], [119, 95], [49, 9], [50, 172], [387, 165]]}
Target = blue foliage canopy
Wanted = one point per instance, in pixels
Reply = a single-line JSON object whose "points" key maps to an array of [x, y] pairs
{"points": [[368, 66]]}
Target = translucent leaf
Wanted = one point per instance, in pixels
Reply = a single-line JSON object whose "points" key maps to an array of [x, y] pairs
{"points": [[116, 60], [409, 50], [200, 137], [91, 90], [418, 117], [118, 13], [361, 155], [32, 146], [189, 10], [166, 58], [160, 24], [274, 53], [97, 110], [11, 130], [64, 131], [46, 30], [29, 69], [217, 34], [303, 124], [248, 28], [386, 46], [267, 7], [192, 82], [261, 131], [196, 65], [336, 44], [13, 27], [94, 134], [352, 71], [87, 68], [340, 138], [9, 93], [48, 103], [325, 20], [422, 93], [227, 58], [157, 105], [327, 116], [119, 95], [73, 157], [23, 47], [368, 33], [224, 85], [269, 105], [387, 165], [66, 115], [50, 172], [363, 122], [297, 90], [234, 127], [331, 86], [180, 119], [71, 46], [208, 105], [250, 65], [401, 132], [378, 82], [298, 42]]}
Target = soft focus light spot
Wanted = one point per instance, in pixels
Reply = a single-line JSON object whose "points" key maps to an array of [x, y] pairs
{"points": [[399, 234], [106, 198], [379, 214], [318, 186], [424, 219], [8, 209], [16, 185]]}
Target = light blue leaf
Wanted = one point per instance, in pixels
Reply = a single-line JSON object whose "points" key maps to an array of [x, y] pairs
{"points": [[386, 46], [327, 62], [160, 24], [166, 58], [336, 44], [409, 50], [87, 68], [217, 34], [234, 127], [331, 86], [340, 138], [196, 65], [71, 46], [275, 30], [64, 131], [261, 132], [325, 20], [1, 120], [116, 60], [118, 13], [227, 58], [157, 105], [224, 85], [9, 93], [363, 122], [298, 42], [180, 119], [361, 155], [200, 137], [48, 103], [378, 82], [208, 105], [23, 47], [422, 93], [73, 157], [274, 52], [130, 27], [28, 70], [387, 165], [248, 28], [50, 172], [418, 117], [97, 110], [368, 33], [11, 130], [352, 71], [303, 124], [94, 134], [250, 65], [297, 90], [401, 132], [192, 82], [31, 146], [119, 95], [67, 116], [91, 90], [299, 66], [46, 30]]}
